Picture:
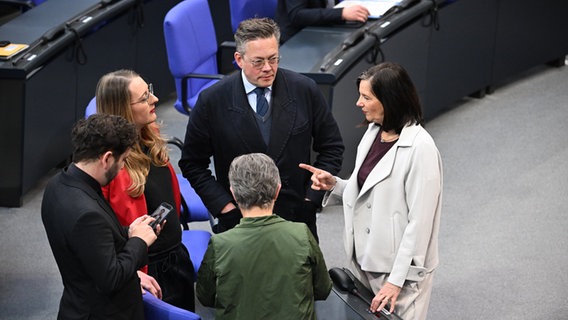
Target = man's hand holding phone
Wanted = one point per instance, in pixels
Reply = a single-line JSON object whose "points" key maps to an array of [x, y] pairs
{"points": [[148, 227], [160, 215], [141, 228]]}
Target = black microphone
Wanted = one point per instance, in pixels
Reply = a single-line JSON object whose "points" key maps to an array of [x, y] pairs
{"points": [[353, 38], [53, 33], [347, 43], [46, 37], [344, 282], [105, 3], [404, 4]]}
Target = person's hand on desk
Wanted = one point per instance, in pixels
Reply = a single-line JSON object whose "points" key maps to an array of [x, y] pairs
{"points": [[355, 12]]}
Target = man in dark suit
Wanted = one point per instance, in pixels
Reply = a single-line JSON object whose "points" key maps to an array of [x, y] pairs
{"points": [[97, 257], [228, 120]]}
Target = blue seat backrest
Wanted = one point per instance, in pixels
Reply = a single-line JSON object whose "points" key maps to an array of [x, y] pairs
{"points": [[191, 43], [245, 9], [156, 309], [91, 107]]}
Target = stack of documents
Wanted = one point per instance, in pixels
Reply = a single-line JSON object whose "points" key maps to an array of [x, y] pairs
{"points": [[376, 7]]}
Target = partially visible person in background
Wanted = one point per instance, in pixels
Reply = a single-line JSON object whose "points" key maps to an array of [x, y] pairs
{"points": [[392, 202], [265, 267], [147, 180], [96, 256], [293, 15]]}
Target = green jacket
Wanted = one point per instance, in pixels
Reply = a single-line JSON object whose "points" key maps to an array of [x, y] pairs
{"points": [[264, 268]]}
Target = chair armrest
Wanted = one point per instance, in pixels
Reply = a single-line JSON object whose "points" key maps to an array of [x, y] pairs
{"points": [[225, 57], [228, 44], [176, 142], [184, 80]]}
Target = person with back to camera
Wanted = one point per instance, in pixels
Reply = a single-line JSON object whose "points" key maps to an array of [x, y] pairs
{"points": [[265, 267], [290, 119], [293, 15], [392, 201], [96, 256], [147, 180]]}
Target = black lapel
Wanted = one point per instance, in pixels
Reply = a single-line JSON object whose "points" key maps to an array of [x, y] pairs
{"points": [[243, 120], [283, 117]]}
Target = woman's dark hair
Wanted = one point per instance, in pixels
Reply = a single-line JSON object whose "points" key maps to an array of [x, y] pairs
{"points": [[392, 85]]}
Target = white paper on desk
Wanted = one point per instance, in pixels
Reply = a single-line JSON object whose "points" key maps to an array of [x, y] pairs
{"points": [[376, 7]]}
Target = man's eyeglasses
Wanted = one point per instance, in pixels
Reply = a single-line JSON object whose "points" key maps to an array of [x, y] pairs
{"points": [[259, 63], [147, 95]]}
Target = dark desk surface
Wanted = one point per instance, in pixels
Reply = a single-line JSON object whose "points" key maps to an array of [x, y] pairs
{"points": [[312, 43], [312, 47], [305, 51], [61, 15], [45, 89], [29, 27]]}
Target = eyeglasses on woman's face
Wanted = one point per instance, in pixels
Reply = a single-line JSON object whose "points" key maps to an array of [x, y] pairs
{"points": [[146, 96]]}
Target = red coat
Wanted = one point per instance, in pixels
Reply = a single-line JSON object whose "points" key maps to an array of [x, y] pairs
{"points": [[127, 208]]}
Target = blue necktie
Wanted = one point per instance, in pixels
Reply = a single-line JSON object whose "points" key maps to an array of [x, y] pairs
{"points": [[261, 102]]}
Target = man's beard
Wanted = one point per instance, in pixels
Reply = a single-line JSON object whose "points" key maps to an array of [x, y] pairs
{"points": [[111, 173]]}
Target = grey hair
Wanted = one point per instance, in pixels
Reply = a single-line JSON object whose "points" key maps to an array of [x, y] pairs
{"points": [[253, 29], [254, 179]]}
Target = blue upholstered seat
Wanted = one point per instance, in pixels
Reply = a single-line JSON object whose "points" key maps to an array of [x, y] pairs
{"points": [[191, 47], [156, 309], [245, 9]]}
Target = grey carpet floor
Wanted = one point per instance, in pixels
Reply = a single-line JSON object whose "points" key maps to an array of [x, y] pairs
{"points": [[503, 240]]}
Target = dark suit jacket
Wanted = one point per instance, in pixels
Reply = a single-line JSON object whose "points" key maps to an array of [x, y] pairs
{"points": [[222, 124], [293, 15], [97, 260]]}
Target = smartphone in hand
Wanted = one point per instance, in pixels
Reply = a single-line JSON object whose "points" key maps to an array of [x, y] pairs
{"points": [[160, 214]]}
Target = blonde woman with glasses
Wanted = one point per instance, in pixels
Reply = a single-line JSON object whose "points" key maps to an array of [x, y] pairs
{"points": [[147, 180]]}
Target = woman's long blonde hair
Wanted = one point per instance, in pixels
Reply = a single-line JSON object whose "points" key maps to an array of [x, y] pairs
{"points": [[113, 97]]}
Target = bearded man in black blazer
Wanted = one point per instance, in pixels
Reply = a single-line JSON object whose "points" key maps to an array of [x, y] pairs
{"points": [[97, 257], [228, 121]]}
